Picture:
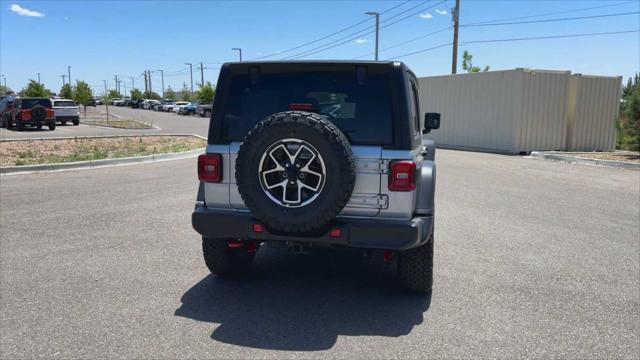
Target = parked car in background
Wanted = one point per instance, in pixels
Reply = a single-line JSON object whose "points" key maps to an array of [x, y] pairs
{"points": [[114, 100], [157, 107], [29, 111], [136, 104], [98, 101], [179, 105], [148, 104], [188, 109], [66, 110], [204, 110], [168, 106]]}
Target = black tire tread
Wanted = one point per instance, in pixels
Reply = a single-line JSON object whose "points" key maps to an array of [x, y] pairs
{"points": [[415, 268], [224, 261], [336, 138]]}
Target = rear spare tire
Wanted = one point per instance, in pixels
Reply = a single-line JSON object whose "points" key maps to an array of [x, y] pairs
{"points": [[295, 171]]}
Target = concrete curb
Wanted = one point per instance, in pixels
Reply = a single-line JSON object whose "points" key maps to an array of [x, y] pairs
{"points": [[13, 170], [567, 157], [99, 137]]}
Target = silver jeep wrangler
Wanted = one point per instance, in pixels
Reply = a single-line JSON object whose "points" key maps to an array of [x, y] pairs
{"points": [[307, 154]]}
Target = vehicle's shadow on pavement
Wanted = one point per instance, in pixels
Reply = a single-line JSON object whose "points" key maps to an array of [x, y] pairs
{"points": [[302, 303]]}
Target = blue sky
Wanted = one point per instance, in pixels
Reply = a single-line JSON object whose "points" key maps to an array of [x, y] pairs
{"points": [[100, 39]]}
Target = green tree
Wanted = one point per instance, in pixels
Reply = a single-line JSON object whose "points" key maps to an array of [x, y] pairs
{"points": [[151, 95], [628, 126], [185, 94], [114, 94], [136, 94], [82, 93], [467, 64], [206, 93], [66, 92], [35, 89], [4, 90], [170, 94]]}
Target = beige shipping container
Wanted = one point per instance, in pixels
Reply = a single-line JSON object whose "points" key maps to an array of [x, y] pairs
{"points": [[517, 111]]}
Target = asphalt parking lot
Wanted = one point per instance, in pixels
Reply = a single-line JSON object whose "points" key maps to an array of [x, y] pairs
{"points": [[533, 259], [165, 122]]}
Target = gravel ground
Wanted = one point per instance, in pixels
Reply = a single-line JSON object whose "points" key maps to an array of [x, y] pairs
{"points": [[533, 259]]}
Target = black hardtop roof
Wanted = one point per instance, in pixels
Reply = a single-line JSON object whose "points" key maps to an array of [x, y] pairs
{"points": [[298, 65]]}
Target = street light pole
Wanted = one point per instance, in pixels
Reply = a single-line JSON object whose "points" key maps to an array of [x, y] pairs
{"points": [[162, 80], [38, 78], [133, 84], [377, 15], [63, 76], [69, 73], [239, 50], [191, 69]]}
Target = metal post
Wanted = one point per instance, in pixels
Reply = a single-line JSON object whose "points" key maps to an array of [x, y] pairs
{"points": [[38, 78], [377, 15], [133, 85], [105, 87], [162, 78], [456, 21], [69, 73], [201, 74], [117, 84], [191, 69], [63, 76], [239, 50], [150, 88]]}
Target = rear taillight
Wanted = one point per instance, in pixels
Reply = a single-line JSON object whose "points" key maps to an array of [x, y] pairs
{"points": [[210, 167], [402, 175], [301, 106], [25, 114]]}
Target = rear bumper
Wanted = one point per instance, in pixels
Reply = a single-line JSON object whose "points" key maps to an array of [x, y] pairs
{"points": [[67, 118], [357, 233]]}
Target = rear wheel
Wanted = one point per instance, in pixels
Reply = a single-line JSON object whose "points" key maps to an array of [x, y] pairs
{"points": [[76, 122], [20, 125], [222, 260], [207, 113], [52, 125], [9, 123], [415, 268]]}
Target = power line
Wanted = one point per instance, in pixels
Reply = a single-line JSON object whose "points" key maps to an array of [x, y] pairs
{"points": [[350, 37], [407, 42], [552, 20], [420, 51], [550, 37], [330, 35], [553, 13]]}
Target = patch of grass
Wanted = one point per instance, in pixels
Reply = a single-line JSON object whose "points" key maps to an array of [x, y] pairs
{"points": [[120, 124], [44, 151]]}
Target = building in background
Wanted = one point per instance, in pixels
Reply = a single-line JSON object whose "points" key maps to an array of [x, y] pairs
{"points": [[519, 111]]}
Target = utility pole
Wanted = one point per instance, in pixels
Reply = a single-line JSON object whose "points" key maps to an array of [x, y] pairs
{"points": [[201, 74], [146, 82], [149, 77], [125, 87], [63, 76], [191, 69], [377, 15], [239, 50], [162, 80], [116, 79], [133, 84], [105, 87], [456, 21], [69, 73], [38, 78]]}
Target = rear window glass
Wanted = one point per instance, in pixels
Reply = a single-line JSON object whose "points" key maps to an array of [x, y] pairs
{"points": [[361, 109], [29, 103], [63, 103]]}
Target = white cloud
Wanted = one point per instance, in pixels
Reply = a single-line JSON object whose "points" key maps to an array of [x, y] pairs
{"points": [[24, 12], [426, 16], [442, 12], [361, 41]]}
